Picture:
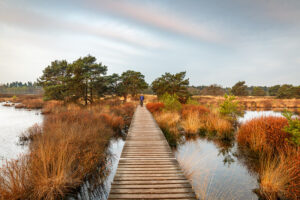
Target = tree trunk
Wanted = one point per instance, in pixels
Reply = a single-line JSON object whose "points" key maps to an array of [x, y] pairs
{"points": [[86, 95]]}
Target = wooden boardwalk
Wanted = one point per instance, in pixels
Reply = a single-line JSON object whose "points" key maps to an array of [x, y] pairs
{"points": [[147, 168]]}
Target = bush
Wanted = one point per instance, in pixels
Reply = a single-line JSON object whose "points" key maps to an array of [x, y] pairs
{"points": [[155, 107], [168, 122], [231, 108], [219, 127], [190, 108], [293, 128], [69, 147], [191, 101], [171, 102], [191, 123], [264, 134], [113, 121], [280, 175]]}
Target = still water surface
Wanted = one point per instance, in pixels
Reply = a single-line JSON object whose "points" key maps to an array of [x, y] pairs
{"points": [[214, 168], [14, 122], [217, 169]]}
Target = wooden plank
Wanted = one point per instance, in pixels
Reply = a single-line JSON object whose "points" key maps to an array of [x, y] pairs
{"points": [[149, 175], [152, 196], [150, 191], [150, 182], [182, 185], [148, 168], [129, 178]]}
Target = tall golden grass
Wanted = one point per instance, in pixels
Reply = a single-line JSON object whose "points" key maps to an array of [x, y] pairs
{"points": [[251, 102], [263, 134], [31, 104], [168, 121], [279, 161], [280, 175], [71, 147], [193, 119]]}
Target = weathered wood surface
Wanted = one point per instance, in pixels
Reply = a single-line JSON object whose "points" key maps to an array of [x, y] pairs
{"points": [[147, 168]]}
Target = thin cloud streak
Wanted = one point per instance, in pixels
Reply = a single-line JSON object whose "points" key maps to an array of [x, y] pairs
{"points": [[39, 22], [164, 21]]}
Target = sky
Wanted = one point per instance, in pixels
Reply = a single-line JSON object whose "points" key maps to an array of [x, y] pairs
{"points": [[215, 42]]}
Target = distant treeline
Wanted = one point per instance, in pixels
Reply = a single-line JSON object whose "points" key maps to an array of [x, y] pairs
{"points": [[20, 88], [241, 89], [86, 79]]}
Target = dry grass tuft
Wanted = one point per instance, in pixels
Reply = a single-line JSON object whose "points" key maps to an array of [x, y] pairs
{"points": [[197, 109], [50, 106], [155, 107], [263, 134], [168, 121], [71, 146], [280, 175], [31, 104]]}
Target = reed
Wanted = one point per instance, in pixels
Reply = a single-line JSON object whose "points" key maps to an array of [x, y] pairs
{"points": [[280, 175], [155, 107], [69, 147], [263, 134]]}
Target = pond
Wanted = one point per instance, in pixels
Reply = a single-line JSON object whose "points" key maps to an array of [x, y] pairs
{"points": [[95, 189], [13, 122], [216, 169]]}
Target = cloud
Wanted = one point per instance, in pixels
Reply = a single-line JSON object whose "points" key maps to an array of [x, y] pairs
{"points": [[162, 20], [28, 19]]}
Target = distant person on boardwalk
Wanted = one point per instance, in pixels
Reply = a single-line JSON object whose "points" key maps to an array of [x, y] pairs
{"points": [[142, 100]]}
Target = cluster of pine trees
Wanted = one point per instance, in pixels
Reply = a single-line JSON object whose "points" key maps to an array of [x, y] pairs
{"points": [[86, 79]]}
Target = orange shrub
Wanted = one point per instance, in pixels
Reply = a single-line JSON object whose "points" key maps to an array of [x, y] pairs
{"points": [[263, 133], [280, 175], [197, 109], [113, 121], [155, 107], [51, 106], [71, 147]]}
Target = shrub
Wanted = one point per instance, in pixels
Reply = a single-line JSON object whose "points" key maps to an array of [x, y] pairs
{"points": [[171, 102], [293, 128], [280, 175], [231, 108], [113, 121], [14, 179], [168, 122], [217, 126], [71, 146], [31, 104], [191, 123], [197, 109], [155, 107], [263, 133], [191, 101]]}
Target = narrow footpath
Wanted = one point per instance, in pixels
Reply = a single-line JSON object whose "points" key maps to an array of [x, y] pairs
{"points": [[147, 168]]}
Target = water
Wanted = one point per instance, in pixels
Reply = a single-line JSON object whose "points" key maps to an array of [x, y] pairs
{"points": [[14, 122], [253, 114], [95, 189], [218, 170]]}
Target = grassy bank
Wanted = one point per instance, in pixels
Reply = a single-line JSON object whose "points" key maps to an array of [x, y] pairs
{"points": [[253, 103], [23, 101], [70, 146], [277, 156], [271, 142], [194, 119]]}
